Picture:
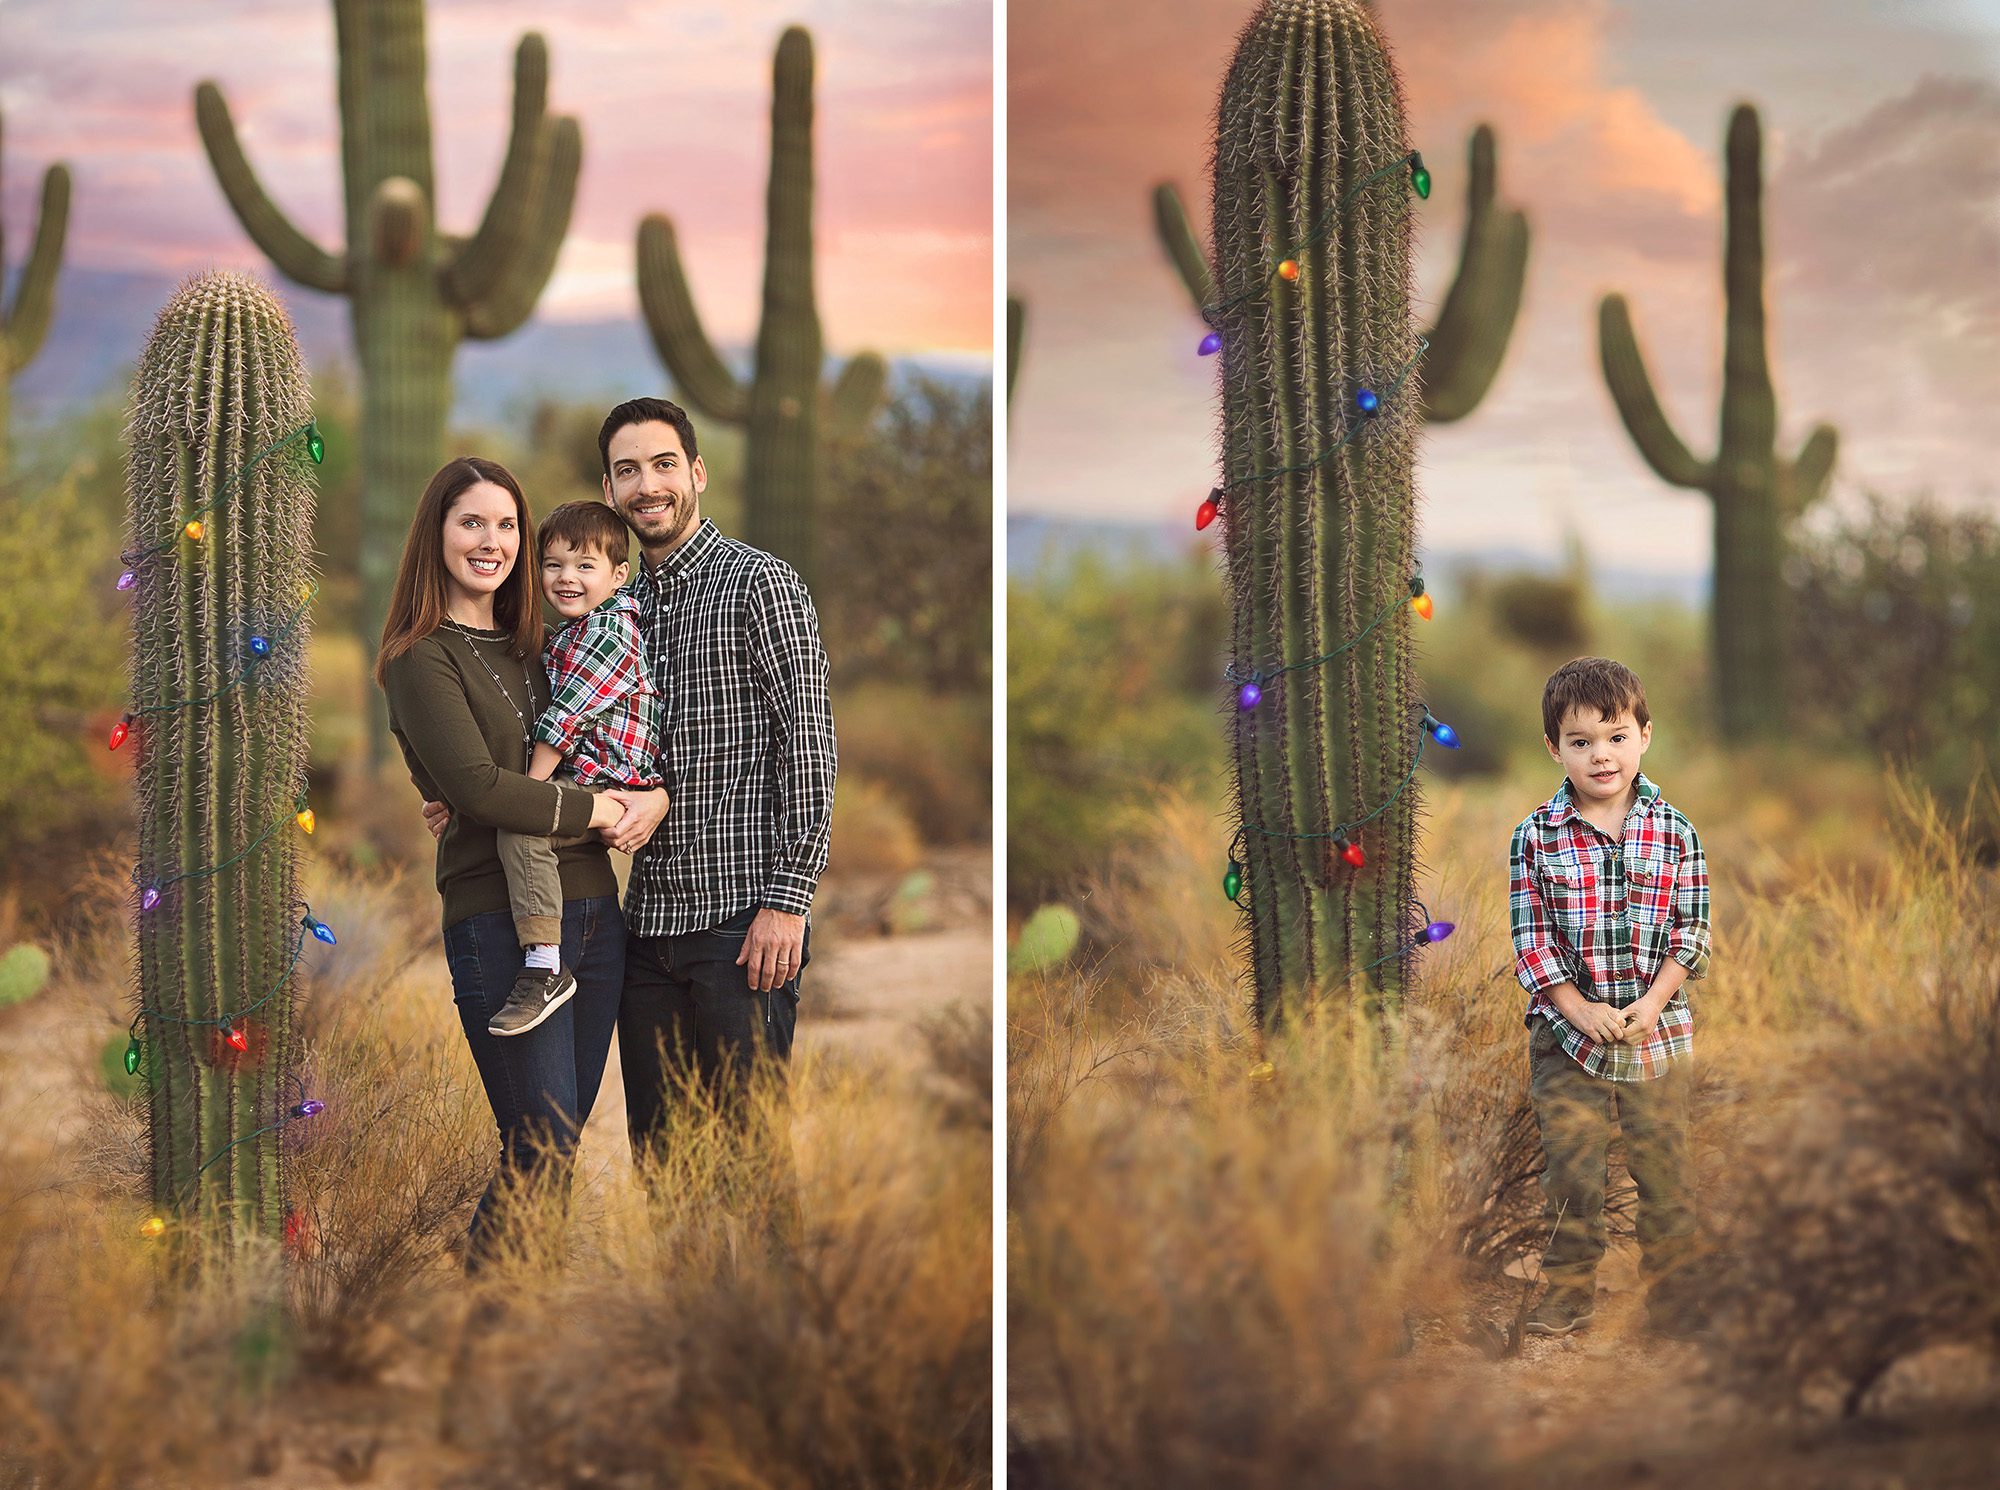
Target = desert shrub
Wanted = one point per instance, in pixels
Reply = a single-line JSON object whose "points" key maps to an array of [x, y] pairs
{"points": [[62, 664], [906, 542], [1545, 612], [932, 752], [1897, 636], [872, 834], [1114, 690]]}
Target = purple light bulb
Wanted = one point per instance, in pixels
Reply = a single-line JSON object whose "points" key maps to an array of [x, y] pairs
{"points": [[1248, 695], [1437, 931], [1210, 344], [150, 899], [127, 580], [312, 1107]]}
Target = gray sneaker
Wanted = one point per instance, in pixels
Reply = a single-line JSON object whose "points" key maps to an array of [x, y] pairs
{"points": [[1561, 1311], [537, 994]]}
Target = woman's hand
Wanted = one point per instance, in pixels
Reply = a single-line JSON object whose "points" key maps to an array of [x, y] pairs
{"points": [[642, 813]]}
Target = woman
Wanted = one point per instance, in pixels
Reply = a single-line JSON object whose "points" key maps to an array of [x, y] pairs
{"points": [[461, 664]]}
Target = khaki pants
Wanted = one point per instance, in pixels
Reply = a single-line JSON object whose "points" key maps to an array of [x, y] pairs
{"points": [[534, 887], [1576, 1111]]}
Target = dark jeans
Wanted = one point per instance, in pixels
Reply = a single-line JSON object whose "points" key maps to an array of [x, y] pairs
{"points": [[541, 1085], [1576, 1111], [691, 1027]]}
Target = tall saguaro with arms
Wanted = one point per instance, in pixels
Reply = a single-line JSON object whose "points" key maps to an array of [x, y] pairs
{"points": [[414, 292]]}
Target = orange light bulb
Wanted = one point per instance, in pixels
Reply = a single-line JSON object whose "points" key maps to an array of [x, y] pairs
{"points": [[1422, 606], [195, 529], [1289, 269]]}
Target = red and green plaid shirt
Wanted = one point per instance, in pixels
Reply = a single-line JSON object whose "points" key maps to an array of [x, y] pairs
{"points": [[604, 712], [1604, 913]]}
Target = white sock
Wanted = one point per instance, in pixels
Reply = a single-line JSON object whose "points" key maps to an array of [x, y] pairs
{"points": [[543, 955]]}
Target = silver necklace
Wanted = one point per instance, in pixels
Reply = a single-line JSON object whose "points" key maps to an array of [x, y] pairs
{"points": [[527, 730]]}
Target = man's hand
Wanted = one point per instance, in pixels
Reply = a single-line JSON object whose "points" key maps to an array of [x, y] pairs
{"points": [[1600, 1021], [1641, 1019], [644, 811], [436, 815], [773, 949]]}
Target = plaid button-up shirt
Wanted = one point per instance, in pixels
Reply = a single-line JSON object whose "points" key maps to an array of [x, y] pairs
{"points": [[733, 643], [604, 712], [1604, 913]]}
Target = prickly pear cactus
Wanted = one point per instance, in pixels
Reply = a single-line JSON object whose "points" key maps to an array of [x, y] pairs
{"points": [[220, 505], [781, 406], [1312, 211]]}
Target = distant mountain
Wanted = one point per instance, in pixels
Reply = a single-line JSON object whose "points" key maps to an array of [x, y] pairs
{"points": [[102, 318], [1036, 542]]}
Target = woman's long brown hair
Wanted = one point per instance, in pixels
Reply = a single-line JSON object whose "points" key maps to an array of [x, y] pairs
{"points": [[417, 604]]}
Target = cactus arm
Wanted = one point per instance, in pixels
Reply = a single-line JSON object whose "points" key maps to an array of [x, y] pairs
{"points": [[1170, 220], [1632, 391], [398, 219], [857, 393], [675, 326], [300, 259], [540, 239], [34, 298], [1473, 329], [1813, 469], [476, 271], [1017, 316]]}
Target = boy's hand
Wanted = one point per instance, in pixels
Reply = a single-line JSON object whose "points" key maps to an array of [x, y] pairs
{"points": [[1601, 1022], [436, 815], [1641, 1019]]}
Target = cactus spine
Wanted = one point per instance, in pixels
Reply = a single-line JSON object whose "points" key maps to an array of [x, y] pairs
{"points": [[781, 407], [25, 323], [1757, 496], [219, 382], [1311, 108], [1472, 331], [413, 292]]}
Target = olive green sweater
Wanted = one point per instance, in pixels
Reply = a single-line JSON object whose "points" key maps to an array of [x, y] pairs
{"points": [[462, 739]]}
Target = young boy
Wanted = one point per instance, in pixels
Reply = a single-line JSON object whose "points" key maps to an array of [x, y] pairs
{"points": [[1609, 902], [602, 728]]}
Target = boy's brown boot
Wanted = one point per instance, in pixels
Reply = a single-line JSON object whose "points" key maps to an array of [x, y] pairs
{"points": [[1561, 1311]]}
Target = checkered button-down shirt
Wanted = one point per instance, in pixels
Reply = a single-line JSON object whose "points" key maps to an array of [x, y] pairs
{"points": [[733, 643], [604, 712], [1604, 913]]}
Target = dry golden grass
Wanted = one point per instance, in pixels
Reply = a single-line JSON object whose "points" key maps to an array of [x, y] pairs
{"points": [[633, 1334], [1233, 1263]]}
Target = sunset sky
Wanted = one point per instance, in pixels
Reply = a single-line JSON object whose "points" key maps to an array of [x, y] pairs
{"points": [[674, 101], [1882, 169]]}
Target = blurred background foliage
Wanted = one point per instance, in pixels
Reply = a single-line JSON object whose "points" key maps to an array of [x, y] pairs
{"points": [[903, 604], [1115, 676]]}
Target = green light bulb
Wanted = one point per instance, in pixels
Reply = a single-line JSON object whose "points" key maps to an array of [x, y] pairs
{"points": [[316, 447], [132, 1058], [1232, 882], [1419, 177]]}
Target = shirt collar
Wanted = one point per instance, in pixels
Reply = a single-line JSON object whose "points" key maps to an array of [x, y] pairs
{"points": [[700, 544], [618, 600], [1560, 808]]}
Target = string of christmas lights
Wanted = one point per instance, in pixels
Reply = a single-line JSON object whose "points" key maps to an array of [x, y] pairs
{"points": [[1434, 931], [1366, 400], [260, 647], [1250, 690], [135, 1050], [306, 1107], [190, 525], [1287, 268], [1349, 851], [151, 890]]}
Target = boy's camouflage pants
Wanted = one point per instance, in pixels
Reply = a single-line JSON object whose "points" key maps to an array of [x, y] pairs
{"points": [[1576, 1111]]}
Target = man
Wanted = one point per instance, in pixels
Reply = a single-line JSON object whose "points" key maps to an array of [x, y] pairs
{"points": [[716, 909]]}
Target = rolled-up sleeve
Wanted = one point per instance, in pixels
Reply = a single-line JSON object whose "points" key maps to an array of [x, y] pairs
{"points": [[791, 671], [1537, 962], [1688, 945]]}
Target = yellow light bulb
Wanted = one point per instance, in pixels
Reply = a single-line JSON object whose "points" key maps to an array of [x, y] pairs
{"points": [[306, 819], [195, 529], [152, 1226], [1422, 606]]}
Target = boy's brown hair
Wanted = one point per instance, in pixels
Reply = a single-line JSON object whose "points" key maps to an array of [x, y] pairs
{"points": [[589, 526], [1597, 683]]}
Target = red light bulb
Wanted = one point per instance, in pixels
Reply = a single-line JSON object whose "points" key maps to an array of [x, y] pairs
{"points": [[236, 1038], [120, 731]]}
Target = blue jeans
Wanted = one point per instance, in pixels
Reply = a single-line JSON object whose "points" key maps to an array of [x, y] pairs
{"points": [[541, 1085]]}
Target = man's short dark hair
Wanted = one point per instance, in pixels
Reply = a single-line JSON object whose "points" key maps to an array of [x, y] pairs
{"points": [[587, 527], [644, 411], [1611, 688]]}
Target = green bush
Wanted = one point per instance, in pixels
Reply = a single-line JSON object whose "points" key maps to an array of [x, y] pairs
{"points": [[906, 569], [62, 669]]}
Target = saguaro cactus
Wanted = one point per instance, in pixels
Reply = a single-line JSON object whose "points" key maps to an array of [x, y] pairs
{"points": [[25, 323], [1312, 222], [1757, 496], [414, 292], [781, 406], [1472, 331], [217, 437]]}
